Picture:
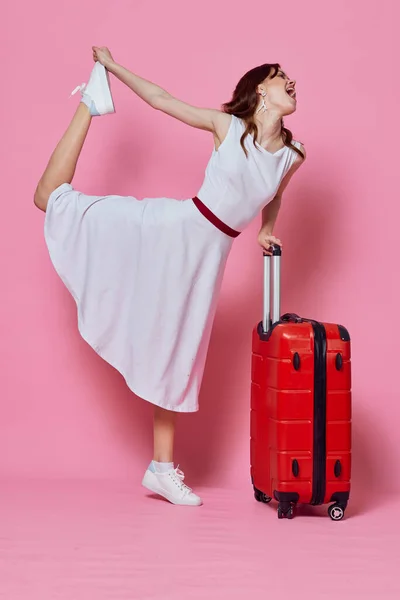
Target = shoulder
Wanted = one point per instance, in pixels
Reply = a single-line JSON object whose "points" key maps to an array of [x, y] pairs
{"points": [[222, 123], [302, 149], [295, 164]]}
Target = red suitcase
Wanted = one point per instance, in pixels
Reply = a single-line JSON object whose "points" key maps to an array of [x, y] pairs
{"points": [[300, 408]]}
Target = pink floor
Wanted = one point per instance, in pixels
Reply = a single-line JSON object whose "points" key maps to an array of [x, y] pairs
{"points": [[95, 540]]}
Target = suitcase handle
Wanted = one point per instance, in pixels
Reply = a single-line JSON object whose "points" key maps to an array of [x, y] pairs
{"points": [[269, 318], [291, 318]]}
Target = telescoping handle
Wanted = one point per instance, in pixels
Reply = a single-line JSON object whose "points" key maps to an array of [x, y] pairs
{"points": [[271, 317]]}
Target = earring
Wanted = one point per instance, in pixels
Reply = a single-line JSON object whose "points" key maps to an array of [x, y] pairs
{"points": [[262, 105]]}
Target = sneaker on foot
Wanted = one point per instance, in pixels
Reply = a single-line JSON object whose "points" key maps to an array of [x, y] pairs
{"points": [[170, 486], [97, 93]]}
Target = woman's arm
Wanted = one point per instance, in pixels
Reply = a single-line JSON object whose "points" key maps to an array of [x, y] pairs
{"points": [[160, 99], [270, 212], [208, 119]]}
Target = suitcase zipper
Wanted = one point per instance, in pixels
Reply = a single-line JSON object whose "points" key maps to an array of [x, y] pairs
{"points": [[319, 434]]}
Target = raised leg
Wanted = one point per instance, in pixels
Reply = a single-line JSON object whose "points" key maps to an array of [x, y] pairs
{"points": [[164, 434], [63, 161]]}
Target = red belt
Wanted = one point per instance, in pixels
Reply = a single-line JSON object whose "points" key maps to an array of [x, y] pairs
{"points": [[206, 212]]}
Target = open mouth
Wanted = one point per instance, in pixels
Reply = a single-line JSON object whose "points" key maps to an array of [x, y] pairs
{"points": [[291, 92]]}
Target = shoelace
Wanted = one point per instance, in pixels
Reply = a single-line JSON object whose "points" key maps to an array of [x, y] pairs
{"points": [[180, 476], [80, 88]]}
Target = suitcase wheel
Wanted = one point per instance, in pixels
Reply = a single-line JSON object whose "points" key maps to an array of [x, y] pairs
{"points": [[336, 512], [261, 497], [285, 511]]}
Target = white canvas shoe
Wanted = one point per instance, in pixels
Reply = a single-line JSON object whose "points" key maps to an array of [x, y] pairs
{"points": [[97, 93], [170, 486]]}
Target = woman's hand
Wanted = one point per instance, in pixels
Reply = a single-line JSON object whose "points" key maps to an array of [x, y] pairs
{"points": [[103, 55], [266, 240]]}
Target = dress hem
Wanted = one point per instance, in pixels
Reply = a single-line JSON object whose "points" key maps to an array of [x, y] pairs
{"points": [[144, 396]]}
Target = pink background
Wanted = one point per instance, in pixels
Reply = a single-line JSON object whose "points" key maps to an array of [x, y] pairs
{"points": [[66, 414], [74, 521]]}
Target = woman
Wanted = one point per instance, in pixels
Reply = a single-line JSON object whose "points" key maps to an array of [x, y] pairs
{"points": [[146, 274]]}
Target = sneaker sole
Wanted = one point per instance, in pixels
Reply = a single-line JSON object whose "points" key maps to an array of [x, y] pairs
{"points": [[160, 492]]}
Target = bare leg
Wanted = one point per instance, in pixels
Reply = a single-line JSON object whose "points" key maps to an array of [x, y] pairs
{"points": [[63, 161], [163, 479], [164, 431]]}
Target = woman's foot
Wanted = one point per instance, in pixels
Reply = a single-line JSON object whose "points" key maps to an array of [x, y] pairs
{"points": [[169, 484], [97, 93]]}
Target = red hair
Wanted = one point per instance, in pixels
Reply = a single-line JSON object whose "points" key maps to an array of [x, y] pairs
{"points": [[245, 100]]}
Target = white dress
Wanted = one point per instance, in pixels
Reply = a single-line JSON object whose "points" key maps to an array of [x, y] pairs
{"points": [[145, 274]]}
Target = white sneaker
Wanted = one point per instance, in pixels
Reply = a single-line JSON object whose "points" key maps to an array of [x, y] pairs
{"points": [[97, 93], [170, 486]]}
